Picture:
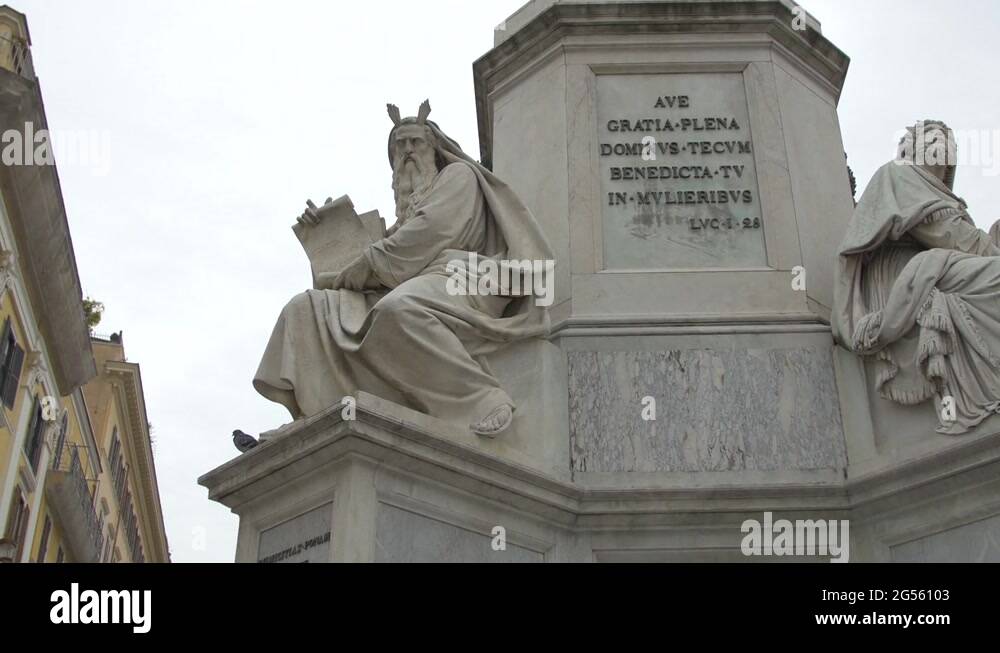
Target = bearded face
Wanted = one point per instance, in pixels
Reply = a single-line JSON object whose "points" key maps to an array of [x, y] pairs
{"points": [[414, 166], [930, 144], [939, 147]]}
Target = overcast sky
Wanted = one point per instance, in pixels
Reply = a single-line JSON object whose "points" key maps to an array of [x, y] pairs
{"points": [[224, 116]]}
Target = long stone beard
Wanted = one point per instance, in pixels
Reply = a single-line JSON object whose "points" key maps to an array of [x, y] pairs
{"points": [[410, 182]]}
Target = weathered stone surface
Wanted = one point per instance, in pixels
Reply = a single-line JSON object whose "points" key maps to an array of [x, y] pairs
{"points": [[976, 542], [403, 536], [405, 489], [305, 538], [717, 411]]}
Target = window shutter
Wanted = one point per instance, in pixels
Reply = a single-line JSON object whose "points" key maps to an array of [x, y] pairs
{"points": [[61, 442], [17, 524], [31, 444], [22, 535], [5, 341], [44, 545], [13, 377]]}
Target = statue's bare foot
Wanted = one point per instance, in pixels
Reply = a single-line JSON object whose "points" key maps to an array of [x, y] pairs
{"points": [[498, 421], [278, 432]]}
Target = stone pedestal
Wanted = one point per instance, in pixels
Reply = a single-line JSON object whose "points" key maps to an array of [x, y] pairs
{"points": [[394, 485], [397, 486], [716, 311], [685, 159]]}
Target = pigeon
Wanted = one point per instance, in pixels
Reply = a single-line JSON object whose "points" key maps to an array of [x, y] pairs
{"points": [[243, 441]]}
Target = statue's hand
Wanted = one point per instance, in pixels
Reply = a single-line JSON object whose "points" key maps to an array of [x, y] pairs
{"points": [[314, 214], [395, 227], [356, 276]]}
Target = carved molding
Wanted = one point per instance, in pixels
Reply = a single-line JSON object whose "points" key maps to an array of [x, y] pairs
{"points": [[36, 374], [34, 362], [8, 269], [52, 429]]}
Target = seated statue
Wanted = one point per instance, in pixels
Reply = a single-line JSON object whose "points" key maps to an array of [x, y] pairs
{"points": [[390, 324], [918, 290]]}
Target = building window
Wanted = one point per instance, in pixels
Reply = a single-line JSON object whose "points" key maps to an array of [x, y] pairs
{"points": [[17, 524], [11, 362], [114, 448], [100, 531], [117, 465], [106, 555], [43, 546], [129, 525], [33, 443]]}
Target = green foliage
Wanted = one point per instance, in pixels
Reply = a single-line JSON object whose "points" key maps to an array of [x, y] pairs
{"points": [[93, 310]]}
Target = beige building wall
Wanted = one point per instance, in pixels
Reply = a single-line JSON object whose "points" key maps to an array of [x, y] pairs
{"points": [[77, 477]]}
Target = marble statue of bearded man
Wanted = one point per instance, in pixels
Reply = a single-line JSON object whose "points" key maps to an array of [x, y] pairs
{"points": [[387, 324], [918, 289]]}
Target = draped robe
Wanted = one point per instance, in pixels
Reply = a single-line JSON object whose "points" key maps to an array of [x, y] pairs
{"points": [[919, 293], [412, 342]]}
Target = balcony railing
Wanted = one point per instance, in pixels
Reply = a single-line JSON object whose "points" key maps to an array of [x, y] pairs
{"points": [[106, 337], [70, 490]]}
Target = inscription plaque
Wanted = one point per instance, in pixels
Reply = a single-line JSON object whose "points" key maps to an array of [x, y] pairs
{"points": [[678, 177], [305, 538]]}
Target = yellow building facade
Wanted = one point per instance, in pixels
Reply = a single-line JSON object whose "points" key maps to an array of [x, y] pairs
{"points": [[77, 477]]}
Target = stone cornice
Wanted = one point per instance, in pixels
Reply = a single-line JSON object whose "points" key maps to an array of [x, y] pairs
{"points": [[563, 21], [34, 205], [127, 383], [398, 438], [645, 325]]}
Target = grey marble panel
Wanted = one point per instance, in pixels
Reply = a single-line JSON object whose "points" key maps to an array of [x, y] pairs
{"points": [[716, 410], [305, 538], [403, 536], [975, 542]]}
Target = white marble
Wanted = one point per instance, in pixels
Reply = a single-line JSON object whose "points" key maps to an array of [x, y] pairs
{"points": [[756, 410], [404, 536]]}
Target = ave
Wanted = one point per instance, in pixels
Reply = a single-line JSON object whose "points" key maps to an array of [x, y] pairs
{"points": [[671, 101]]}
